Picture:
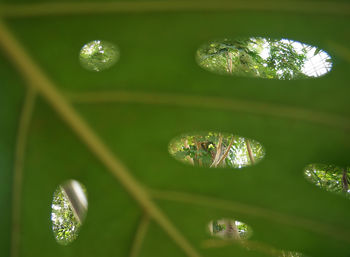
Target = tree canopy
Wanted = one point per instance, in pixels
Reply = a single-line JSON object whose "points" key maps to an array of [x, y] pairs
{"points": [[65, 216], [258, 57], [213, 149], [329, 177]]}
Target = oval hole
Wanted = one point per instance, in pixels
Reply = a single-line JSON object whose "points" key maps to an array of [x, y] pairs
{"points": [[267, 58], [98, 55], [213, 149], [229, 229], [292, 254], [329, 177], [69, 207]]}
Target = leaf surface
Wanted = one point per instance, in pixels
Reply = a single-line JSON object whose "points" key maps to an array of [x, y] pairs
{"points": [[110, 130]]}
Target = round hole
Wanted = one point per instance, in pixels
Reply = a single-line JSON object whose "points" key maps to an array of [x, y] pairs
{"points": [[214, 150], [267, 58], [329, 177], [69, 207], [229, 229], [98, 55]]}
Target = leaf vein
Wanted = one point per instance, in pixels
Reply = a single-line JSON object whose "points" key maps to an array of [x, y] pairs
{"points": [[211, 102], [49, 9], [33, 74], [22, 135], [246, 209]]}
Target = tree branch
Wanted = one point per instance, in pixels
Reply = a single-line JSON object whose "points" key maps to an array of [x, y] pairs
{"points": [[345, 181], [21, 142], [250, 153], [218, 153], [76, 197], [227, 151]]}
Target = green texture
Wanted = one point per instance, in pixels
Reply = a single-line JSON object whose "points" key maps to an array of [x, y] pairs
{"points": [[157, 92]]}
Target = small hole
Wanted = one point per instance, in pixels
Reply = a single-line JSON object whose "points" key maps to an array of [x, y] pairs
{"points": [[213, 149], [69, 207], [329, 177], [292, 254], [283, 59], [229, 229], [98, 55]]}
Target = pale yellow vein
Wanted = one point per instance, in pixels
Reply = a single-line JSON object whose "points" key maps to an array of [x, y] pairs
{"points": [[32, 73], [23, 126], [210, 102], [140, 235], [49, 9], [246, 209]]}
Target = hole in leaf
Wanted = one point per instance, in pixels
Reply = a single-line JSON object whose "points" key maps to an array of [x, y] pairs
{"points": [[98, 55], [69, 207], [229, 229], [264, 58], [213, 149], [292, 254], [329, 177]]}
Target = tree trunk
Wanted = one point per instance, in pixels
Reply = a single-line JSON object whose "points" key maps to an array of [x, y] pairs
{"points": [[345, 181], [226, 152], [198, 145], [188, 157], [77, 199], [229, 61], [218, 153], [232, 230], [250, 152]]}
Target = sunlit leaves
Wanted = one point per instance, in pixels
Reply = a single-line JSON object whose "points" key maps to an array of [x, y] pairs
{"points": [[329, 177], [65, 217], [264, 58]]}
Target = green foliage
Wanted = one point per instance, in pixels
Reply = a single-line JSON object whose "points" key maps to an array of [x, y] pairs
{"points": [[98, 55], [284, 59], [244, 230], [201, 149], [243, 57], [65, 225], [329, 177], [227, 229], [218, 227]]}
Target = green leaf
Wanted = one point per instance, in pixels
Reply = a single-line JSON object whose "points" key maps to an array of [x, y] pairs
{"points": [[317, 50], [111, 129]]}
